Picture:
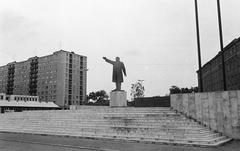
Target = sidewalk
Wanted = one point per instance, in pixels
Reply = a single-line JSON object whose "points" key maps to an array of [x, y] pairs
{"points": [[28, 142]]}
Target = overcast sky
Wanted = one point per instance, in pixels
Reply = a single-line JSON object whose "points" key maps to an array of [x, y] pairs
{"points": [[156, 39]]}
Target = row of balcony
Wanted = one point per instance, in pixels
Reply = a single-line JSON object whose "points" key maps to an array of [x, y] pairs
{"points": [[10, 85], [11, 71], [33, 71], [33, 83], [35, 67], [33, 76], [10, 78], [10, 74], [35, 61], [33, 92]]}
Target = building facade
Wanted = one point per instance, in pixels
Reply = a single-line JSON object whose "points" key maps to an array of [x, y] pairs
{"points": [[60, 78], [212, 70]]}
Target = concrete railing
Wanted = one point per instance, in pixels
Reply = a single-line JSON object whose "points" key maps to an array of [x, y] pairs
{"points": [[219, 111]]}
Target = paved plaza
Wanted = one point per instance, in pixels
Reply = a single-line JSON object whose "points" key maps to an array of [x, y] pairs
{"points": [[28, 142]]}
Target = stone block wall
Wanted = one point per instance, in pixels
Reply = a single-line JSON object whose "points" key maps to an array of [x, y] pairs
{"points": [[219, 111]]}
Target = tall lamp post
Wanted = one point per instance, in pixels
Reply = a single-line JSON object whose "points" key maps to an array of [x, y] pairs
{"points": [[221, 45], [199, 49]]}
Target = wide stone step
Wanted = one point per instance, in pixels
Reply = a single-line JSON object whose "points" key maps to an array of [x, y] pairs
{"points": [[96, 116], [104, 132], [106, 128], [155, 139], [145, 115], [122, 128], [117, 125], [126, 109], [106, 120], [107, 111]]}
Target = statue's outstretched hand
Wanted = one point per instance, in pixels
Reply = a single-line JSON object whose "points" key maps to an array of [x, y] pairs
{"points": [[104, 58]]}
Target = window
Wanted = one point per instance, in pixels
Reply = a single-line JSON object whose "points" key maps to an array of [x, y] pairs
{"points": [[1, 97]]}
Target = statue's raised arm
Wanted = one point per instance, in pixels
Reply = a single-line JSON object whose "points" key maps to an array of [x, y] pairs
{"points": [[108, 60]]}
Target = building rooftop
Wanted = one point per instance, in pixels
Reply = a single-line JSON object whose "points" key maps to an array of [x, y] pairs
{"points": [[56, 52]]}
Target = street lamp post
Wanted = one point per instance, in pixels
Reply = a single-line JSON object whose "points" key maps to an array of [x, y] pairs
{"points": [[221, 45], [199, 49]]}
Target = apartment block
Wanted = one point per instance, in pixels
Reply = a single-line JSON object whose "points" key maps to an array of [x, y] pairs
{"points": [[60, 78]]}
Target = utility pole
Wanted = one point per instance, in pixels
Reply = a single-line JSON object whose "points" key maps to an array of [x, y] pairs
{"points": [[221, 45], [199, 49]]}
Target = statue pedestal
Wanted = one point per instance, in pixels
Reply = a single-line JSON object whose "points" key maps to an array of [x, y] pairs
{"points": [[118, 99]]}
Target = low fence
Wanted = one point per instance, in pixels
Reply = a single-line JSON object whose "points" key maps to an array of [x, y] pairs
{"points": [[152, 102], [219, 111]]}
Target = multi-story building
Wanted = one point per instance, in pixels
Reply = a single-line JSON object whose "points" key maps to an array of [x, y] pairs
{"points": [[60, 78], [212, 71]]}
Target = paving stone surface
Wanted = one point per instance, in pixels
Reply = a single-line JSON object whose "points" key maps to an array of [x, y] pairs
{"points": [[28, 142]]}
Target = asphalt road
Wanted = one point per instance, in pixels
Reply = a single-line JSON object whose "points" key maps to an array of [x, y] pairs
{"points": [[28, 142]]}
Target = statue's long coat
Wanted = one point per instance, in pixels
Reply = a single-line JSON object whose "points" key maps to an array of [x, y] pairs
{"points": [[118, 70]]}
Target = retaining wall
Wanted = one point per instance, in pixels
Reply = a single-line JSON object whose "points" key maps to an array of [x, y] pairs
{"points": [[218, 110]]}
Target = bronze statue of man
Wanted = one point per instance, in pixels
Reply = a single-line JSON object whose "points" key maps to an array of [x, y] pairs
{"points": [[118, 69]]}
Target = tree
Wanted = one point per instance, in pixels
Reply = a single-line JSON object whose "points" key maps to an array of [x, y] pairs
{"points": [[175, 90], [92, 96], [137, 90], [99, 98], [101, 95]]}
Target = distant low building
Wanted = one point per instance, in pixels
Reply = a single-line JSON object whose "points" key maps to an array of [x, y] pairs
{"points": [[60, 77], [212, 71], [17, 103]]}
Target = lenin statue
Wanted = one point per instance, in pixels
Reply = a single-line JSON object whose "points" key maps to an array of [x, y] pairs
{"points": [[118, 70]]}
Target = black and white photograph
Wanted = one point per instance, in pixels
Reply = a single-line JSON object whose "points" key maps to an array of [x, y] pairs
{"points": [[119, 75]]}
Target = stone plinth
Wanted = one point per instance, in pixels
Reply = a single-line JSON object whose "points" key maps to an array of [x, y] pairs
{"points": [[118, 99]]}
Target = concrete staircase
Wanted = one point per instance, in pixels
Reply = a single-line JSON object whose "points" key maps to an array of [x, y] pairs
{"points": [[155, 125]]}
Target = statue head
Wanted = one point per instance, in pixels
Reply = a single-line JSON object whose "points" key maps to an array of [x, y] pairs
{"points": [[117, 59]]}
